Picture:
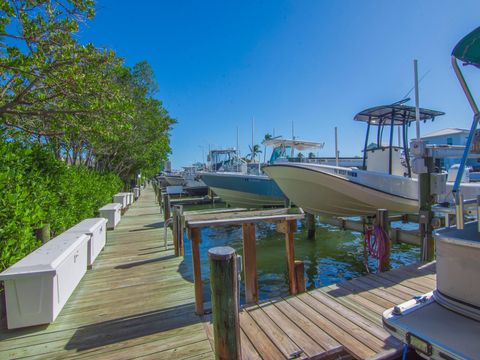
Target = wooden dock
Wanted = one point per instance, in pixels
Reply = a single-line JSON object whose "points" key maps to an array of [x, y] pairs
{"points": [[337, 321], [135, 303]]}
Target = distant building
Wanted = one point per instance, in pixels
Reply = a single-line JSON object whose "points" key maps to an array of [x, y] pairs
{"points": [[450, 136]]}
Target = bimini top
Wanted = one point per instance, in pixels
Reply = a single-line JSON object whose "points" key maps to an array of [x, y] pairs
{"points": [[296, 144], [468, 49], [399, 114]]}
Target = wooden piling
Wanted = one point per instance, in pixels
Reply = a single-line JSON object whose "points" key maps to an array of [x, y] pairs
{"points": [[180, 230], [250, 263], [225, 306], [300, 275], [288, 228], [382, 221], [43, 233], [310, 225], [194, 235], [175, 231], [166, 206], [426, 215]]}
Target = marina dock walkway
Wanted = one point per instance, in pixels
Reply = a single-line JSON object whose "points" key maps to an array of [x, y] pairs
{"points": [[332, 322], [137, 302], [133, 304]]}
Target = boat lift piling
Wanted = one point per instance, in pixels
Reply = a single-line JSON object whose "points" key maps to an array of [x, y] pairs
{"points": [[310, 224]]}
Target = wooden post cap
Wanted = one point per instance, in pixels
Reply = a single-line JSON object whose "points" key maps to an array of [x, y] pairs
{"points": [[221, 253]]}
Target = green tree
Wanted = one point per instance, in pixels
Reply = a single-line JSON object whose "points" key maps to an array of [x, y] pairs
{"points": [[254, 151], [267, 137]]}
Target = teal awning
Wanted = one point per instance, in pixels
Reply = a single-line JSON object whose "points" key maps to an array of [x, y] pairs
{"points": [[468, 49]]}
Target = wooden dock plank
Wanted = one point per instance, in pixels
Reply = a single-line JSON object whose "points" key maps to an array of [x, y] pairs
{"points": [[354, 346], [329, 344], [307, 345], [262, 343], [275, 332]]}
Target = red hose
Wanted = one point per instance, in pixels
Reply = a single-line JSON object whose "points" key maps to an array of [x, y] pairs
{"points": [[374, 244]]}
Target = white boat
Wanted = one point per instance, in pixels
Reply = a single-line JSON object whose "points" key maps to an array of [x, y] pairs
{"points": [[193, 184], [174, 179], [244, 185], [386, 182]]}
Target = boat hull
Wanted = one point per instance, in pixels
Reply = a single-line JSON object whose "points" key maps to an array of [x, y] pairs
{"points": [[241, 190], [322, 191]]}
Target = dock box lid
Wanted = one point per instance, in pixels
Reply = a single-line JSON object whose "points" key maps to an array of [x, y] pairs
{"points": [[47, 258], [112, 206], [469, 236], [88, 226]]}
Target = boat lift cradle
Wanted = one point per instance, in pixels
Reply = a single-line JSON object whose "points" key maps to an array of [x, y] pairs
{"points": [[445, 323]]}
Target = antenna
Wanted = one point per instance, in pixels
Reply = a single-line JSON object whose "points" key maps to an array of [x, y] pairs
{"points": [[417, 98], [336, 146], [253, 127]]}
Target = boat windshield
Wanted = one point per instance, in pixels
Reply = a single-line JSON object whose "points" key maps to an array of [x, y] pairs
{"points": [[279, 152], [224, 160]]}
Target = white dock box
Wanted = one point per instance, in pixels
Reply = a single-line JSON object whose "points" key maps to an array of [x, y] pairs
{"points": [[120, 198], [136, 192], [111, 212], [38, 286], [96, 229], [129, 196]]}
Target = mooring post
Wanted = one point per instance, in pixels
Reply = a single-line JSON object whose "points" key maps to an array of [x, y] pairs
{"points": [[382, 221], [181, 229], [250, 263], [175, 230], [310, 225], [300, 275], [225, 306], [43, 233], [426, 215], [194, 235], [166, 206], [288, 228]]}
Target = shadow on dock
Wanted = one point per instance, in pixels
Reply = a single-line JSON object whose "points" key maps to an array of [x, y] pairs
{"points": [[144, 262], [157, 225], [130, 327]]}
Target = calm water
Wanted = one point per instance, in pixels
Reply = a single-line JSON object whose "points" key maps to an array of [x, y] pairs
{"points": [[334, 255]]}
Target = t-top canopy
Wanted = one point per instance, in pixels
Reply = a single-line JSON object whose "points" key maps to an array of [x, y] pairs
{"points": [[397, 113], [468, 49], [296, 144]]}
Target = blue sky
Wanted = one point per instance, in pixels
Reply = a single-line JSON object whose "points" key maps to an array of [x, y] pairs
{"points": [[316, 63]]}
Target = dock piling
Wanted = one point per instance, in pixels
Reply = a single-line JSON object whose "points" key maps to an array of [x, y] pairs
{"points": [[300, 276], [382, 221], [194, 235], [166, 206], [288, 228], [250, 263], [225, 305], [310, 225]]}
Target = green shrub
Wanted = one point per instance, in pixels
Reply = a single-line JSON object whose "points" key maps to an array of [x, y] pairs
{"points": [[36, 188]]}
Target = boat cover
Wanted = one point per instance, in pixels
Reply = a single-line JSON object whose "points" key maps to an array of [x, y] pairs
{"points": [[468, 49]]}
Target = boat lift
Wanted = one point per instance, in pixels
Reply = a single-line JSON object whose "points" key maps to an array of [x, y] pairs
{"points": [[445, 323]]}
